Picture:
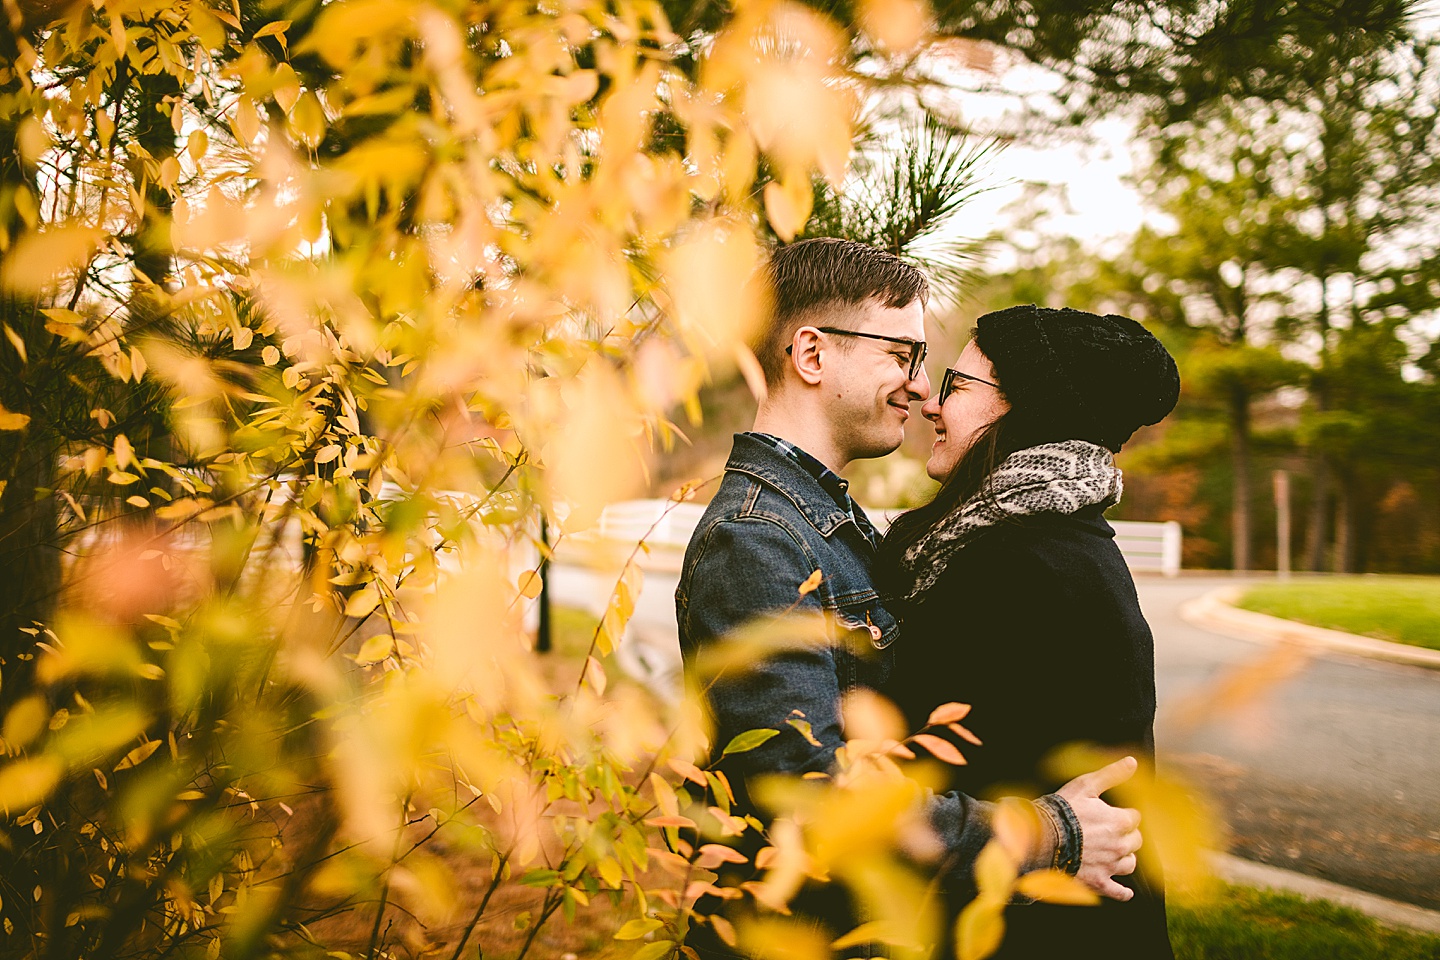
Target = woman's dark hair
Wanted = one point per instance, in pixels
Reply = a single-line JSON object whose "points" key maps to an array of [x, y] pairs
{"points": [[969, 479]]}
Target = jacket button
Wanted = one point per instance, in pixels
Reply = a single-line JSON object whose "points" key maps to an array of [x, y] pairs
{"points": [[874, 632]]}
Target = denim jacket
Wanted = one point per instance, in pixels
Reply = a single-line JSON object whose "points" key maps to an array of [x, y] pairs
{"points": [[768, 528]]}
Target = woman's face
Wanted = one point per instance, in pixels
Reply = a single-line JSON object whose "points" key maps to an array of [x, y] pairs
{"points": [[971, 407]]}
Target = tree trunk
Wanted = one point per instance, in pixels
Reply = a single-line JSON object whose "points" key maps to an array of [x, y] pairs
{"points": [[1345, 523], [1317, 531], [1240, 512]]}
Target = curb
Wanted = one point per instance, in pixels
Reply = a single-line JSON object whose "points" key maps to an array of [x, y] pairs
{"points": [[1216, 611], [1392, 913]]}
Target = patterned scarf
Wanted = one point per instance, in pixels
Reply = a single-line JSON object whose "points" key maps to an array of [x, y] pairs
{"points": [[1050, 478]]}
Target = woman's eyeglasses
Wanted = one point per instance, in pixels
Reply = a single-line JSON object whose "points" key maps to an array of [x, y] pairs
{"points": [[953, 378], [917, 347]]}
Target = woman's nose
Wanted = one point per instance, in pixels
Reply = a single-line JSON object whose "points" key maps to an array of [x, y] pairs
{"points": [[931, 410]]}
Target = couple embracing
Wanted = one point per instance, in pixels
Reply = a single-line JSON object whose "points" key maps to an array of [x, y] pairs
{"points": [[1006, 591]]}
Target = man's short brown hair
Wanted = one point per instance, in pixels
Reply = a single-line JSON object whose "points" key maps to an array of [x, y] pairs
{"points": [[811, 276]]}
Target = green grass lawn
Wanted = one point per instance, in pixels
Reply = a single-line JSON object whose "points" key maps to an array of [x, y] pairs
{"points": [[1247, 924], [1402, 609]]}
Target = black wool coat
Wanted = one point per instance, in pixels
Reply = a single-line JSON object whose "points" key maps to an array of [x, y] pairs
{"points": [[1036, 624]]}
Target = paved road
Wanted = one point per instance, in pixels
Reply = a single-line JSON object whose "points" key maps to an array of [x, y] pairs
{"points": [[1333, 771]]}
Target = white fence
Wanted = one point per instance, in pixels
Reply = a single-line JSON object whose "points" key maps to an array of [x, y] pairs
{"points": [[1149, 547]]}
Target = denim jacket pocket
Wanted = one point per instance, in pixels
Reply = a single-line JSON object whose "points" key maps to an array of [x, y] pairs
{"points": [[866, 616]]}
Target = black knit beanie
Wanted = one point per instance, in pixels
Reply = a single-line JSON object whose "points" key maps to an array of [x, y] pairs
{"points": [[1072, 375]]}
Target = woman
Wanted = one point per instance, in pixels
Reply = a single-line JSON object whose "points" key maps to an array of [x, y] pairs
{"points": [[1013, 594]]}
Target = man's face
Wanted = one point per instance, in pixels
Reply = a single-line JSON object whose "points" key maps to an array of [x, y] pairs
{"points": [[867, 382]]}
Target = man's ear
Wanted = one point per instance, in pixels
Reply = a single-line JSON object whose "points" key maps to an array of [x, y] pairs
{"points": [[807, 355]]}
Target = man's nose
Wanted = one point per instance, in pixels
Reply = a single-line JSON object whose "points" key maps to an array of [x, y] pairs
{"points": [[919, 385]]}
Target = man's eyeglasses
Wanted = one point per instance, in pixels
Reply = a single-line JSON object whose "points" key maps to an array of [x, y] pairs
{"points": [[917, 347], [953, 379]]}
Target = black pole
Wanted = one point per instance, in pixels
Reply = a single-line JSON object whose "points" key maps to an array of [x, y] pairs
{"points": [[542, 632]]}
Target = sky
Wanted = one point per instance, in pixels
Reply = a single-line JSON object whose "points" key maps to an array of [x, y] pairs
{"points": [[1091, 176]]}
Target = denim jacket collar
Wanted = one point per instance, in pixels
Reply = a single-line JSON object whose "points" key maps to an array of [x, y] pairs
{"points": [[774, 469]]}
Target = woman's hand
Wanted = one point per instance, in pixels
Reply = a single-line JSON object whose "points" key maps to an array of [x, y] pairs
{"points": [[1109, 835]]}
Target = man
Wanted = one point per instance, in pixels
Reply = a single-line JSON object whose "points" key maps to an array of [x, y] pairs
{"points": [[842, 355]]}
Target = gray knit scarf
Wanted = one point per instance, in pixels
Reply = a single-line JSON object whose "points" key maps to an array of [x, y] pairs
{"points": [[1050, 478]]}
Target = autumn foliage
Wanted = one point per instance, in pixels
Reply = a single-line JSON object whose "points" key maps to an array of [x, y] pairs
{"points": [[311, 311]]}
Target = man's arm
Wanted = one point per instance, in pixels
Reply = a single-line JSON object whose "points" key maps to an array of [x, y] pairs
{"points": [[750, 569]]}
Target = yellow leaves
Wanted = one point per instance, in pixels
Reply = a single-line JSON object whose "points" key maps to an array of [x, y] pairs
{"points": [[363, 601], [13, 421], [620, 609], [138, 755], [636, 929], [687, 770], [980, 928], [707, 278], [1016, 824], [375, 649], [38, 259], [594, 676], [948, 713], [25, 721], [896, 26], [812, 583], [307, 120], [92, 646], [749, 740], [197, 145], [104, 128], [342, 28], [940, 748], [118, 36], [1055, 886], [276, 29], [28, 780], [799, 108], [777, 938], [788, 202], [995, 871], [286, 87], [125, 453], [870, 717], [654, 951], [529, 584], [245, 121], [32, 140]]}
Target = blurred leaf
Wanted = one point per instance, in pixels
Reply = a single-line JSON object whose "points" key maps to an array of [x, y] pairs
{"points": [[654, 951], [636, 929], [749, 740], [27, 781], [980, 928], [375, 649], [13, 421], [1055, 886], [138, 755], [25, 721], [994, 871], [775, 938], [37, 259], [942, 749]]}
